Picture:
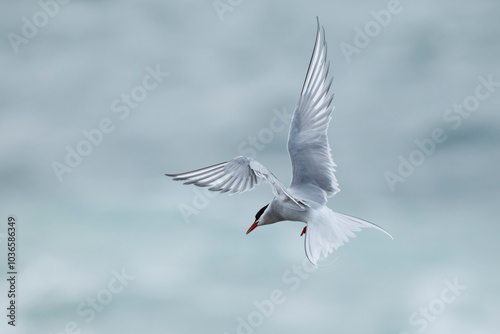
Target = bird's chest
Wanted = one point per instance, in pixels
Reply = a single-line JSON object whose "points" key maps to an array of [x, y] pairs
{"points": [[286, 212]]}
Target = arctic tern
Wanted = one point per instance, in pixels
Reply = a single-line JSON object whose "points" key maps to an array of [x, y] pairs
{"points": [[313, 178]]}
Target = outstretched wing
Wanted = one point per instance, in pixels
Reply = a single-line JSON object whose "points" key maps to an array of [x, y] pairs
{"points": [[312, 163], [236, 176]]}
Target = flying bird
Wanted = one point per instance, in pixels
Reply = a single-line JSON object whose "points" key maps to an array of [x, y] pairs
{"points": [[313, 170]]}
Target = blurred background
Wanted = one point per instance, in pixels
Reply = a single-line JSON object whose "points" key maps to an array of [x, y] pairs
{"points": [[99, 99]]}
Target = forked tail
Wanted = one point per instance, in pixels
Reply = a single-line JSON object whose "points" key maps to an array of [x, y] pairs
{"points": [[329, 230]]}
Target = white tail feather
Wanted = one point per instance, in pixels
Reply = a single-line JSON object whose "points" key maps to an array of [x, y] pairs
{"points": [[329, 230]]}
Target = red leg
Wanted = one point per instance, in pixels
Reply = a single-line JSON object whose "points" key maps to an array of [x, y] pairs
{"points": [[303, 231]]}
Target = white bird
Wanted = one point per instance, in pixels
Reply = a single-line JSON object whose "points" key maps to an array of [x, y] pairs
{"points": [[313, 179]]}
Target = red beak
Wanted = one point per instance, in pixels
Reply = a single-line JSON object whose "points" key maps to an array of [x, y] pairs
{"points": [[254, 225]]}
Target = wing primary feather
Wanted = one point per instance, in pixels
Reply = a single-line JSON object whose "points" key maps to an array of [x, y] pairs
{"points": [[197, 175], [205, 176], [198, 170], [207, 182], [310, 61], [229, 186], [236, 187], [221, 186]]}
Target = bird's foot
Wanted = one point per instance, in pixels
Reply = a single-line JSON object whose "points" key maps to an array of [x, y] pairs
{"points": [[303, 231]]}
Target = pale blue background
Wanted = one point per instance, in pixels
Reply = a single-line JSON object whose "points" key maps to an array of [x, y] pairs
{"points": [[116, 210]]}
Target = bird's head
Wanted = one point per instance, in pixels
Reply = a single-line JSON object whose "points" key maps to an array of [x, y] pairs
{"points": [[258, 220]]}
